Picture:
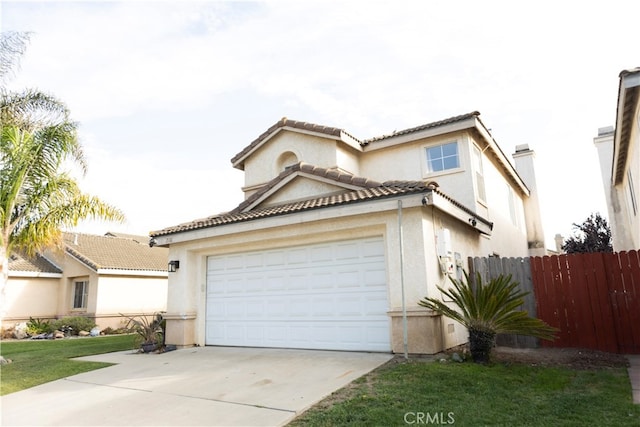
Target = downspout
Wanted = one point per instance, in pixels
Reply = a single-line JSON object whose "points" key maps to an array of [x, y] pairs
{"points": [[404, 307]]}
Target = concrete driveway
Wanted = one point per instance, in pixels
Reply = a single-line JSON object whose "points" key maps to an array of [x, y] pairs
{"points": [[213, 386]]}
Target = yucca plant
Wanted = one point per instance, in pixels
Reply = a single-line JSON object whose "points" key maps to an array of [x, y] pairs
{"points": [[488, 309], [150, 330]]}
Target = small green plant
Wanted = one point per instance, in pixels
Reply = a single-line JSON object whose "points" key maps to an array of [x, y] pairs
{"points": [[488, 309], [76, 323], [38, 326], [150, 330]]}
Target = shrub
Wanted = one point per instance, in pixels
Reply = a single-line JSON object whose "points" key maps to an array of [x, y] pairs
{"points": [[38, 326], [76, 323], [110, 331]]}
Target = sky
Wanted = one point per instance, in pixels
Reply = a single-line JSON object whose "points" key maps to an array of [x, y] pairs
{"points": [[166, 93]]}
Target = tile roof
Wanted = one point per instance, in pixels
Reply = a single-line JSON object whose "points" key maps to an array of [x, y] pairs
{"points": [[370, 190], [135, 237], [337, 132], [35, 264], [108, 252], [284, 122], [354, 196], [424, 127], [302, 167]]}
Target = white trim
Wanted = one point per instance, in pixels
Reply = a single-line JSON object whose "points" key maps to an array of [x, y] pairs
{"points": [[345, 138], [34, 274], [122, 272], [327, 213], [293, 176], [435, 199]]}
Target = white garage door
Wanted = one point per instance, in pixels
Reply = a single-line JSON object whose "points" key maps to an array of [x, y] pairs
{"points": [[329, 296]]}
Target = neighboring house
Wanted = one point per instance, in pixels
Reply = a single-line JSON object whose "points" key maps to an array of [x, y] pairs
{"points": [[619, 153], [339, 238], [100, 277]]}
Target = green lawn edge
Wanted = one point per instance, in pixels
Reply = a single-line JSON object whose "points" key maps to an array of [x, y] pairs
{"points": [[35, 362], [468, 394]]}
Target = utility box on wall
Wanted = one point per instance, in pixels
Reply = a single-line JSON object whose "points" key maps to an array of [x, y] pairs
{"points": [[424, 331]]}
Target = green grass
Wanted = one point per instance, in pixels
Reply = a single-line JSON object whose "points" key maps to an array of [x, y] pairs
{"points": [[38, 362], [467, 394]]}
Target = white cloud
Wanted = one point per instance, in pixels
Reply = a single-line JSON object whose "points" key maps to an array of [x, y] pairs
{"points": [[544, 74]]}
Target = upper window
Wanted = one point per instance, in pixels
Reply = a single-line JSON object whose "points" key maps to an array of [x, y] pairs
{"points": [[443, 157], [80, 291], [477, 165], [632, 193]]}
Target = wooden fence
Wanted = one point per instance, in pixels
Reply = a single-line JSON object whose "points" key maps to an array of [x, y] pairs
{"points": [[520, 270], [593, 299]]}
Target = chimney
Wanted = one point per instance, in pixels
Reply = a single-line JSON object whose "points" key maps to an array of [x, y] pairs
{"points": [[524, 162], [559, 242]]}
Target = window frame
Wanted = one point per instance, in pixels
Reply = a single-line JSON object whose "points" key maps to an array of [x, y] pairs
{"points": [[83, 297], [632, 193], [478, 175], [427, 163]]}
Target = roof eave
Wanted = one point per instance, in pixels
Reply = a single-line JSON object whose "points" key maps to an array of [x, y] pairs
{"points": [[458, 211], [500, 156], [628, 101], [344, 137]]}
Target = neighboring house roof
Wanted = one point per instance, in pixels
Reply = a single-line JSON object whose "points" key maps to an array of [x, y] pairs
{"points": [[36, 264], [115, 253], [135, 237], [370, 191], [628, 101]]}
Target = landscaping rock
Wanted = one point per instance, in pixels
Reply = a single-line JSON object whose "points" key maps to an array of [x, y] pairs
{"points": [[95, 332], [20, 331], [83, 334], [4, 361], [40, 336], [58, 334], [457, 358]]}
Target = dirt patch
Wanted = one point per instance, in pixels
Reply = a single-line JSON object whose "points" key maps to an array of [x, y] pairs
{"points": [[573, 358]]}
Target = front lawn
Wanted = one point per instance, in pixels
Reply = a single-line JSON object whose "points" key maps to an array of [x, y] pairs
{"points": [[467, 394], [38, 362]]}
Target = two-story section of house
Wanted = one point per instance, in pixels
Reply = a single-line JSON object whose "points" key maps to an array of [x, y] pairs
{"points": [[619, 154], [338, 238]]}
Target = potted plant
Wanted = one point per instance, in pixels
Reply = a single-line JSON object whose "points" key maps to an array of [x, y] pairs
{"points": [[150, 331], [487, 309]]}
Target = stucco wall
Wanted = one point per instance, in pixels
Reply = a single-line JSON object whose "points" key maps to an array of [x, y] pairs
{"points": [[301, 189], [421, 269], [26, 297], [261, 168], [633, 165]]}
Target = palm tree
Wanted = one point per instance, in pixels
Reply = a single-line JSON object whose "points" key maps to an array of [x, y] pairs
{"points": [[486, 310], [37, 196]]}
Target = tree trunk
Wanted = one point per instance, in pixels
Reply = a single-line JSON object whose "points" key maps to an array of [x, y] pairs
{"points": [[481, 343], [4, 279]]}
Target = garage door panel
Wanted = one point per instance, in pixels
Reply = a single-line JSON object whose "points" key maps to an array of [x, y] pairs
{"points": [[326, 296]]}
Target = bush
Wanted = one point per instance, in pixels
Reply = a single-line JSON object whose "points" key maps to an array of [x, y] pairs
{"points": [[38, 326], [110, 331], [76, 323]]}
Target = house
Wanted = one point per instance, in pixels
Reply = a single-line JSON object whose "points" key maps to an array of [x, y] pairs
{"points": [[100, 277], [338, 238], [619, 154]]}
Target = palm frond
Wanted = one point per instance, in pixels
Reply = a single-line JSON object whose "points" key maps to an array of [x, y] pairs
{"points": [[492, 306]]}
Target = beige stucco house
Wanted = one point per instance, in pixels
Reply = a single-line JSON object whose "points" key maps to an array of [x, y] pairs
{"points": [[100, 277], [338, 238], [619, 153]]}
